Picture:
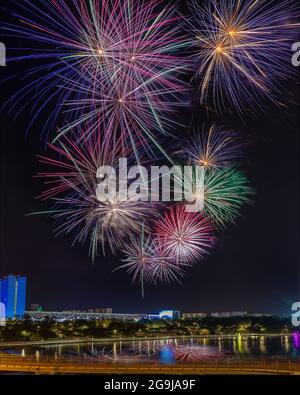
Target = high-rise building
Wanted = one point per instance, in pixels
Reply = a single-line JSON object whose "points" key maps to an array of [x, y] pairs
{"points": [[13, 295], [2, 314]]}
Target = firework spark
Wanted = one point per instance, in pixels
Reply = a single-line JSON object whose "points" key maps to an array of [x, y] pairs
{"points": [[243, 51]]}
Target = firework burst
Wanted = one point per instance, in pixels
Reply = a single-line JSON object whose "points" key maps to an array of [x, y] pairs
{"points": [[139, 259], [224, 192], [243, 51], [214, 149], [123, 112], [185, 237], [72, 185], [164, 267], [147, 261], [90, 50]]}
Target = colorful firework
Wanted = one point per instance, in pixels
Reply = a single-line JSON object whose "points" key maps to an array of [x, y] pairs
{"points": [[184, 236], [217, 148], [122, 112], [114, 67], [109, 222], [224, 192], [91, 51], [72, 185], [243, 51]]}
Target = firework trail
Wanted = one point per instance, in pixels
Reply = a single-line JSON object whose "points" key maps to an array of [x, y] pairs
{"points": [[243, 51]]}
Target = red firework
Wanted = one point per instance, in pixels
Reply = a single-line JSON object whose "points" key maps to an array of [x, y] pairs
{"points": [[185, 236]]}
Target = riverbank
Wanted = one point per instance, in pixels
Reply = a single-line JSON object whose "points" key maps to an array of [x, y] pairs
{"points": [[129, 339]]}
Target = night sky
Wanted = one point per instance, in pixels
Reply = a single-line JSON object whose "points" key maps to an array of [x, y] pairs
{"points": [[254, 266]]}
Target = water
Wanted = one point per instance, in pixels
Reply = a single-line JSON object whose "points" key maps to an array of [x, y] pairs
{"points": [[168, 351]]}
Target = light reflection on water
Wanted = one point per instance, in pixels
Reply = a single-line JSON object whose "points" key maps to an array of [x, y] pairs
{"points": [[162, 351]]}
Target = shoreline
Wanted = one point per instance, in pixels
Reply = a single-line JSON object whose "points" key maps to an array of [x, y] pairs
{"points": [[129, 339]]}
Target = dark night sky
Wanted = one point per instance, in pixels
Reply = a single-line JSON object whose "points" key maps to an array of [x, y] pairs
{"points": [[254, 267]]}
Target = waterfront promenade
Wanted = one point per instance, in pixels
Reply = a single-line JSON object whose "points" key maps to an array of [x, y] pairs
{"points": [[63, 365]]}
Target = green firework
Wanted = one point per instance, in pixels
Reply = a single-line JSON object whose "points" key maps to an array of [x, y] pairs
{"points": [[225, 191]]}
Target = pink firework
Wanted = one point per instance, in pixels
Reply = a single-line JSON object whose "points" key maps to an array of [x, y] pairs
{"points": [[185, 236], [147, 262]]}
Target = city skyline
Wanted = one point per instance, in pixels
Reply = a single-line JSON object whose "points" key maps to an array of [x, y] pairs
{"points": [[254, 264]]}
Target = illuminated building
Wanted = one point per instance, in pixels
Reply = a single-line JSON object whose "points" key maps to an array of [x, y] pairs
{"points": [[165, 314], [35, 307], [171, 314], [69, 315], [228, 314], [13, 295], [2, 314], [73, 315], [106, 310], [193, 315]]}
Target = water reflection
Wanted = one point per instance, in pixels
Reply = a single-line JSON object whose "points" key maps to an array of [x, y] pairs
{"points": [[296, 340], [167, 350], [166, 355]]}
